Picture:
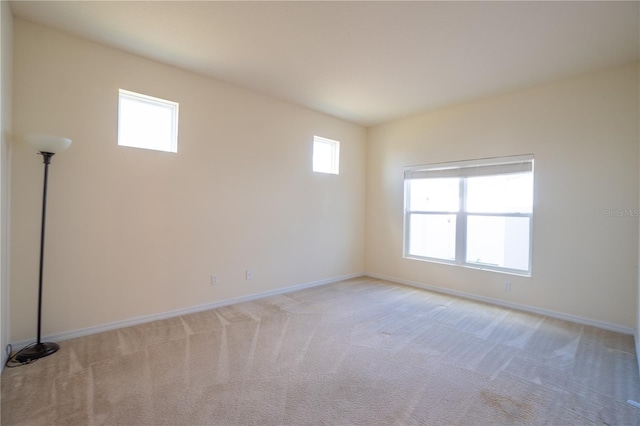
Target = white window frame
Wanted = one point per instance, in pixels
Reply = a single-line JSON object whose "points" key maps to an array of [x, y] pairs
{"points": [[156, 102], [463, 170], [334, 165]]}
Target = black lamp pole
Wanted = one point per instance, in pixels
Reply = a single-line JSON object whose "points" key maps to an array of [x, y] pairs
{"points": [[40, 349]]}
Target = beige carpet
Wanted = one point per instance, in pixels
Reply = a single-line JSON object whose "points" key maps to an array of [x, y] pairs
{"points": [[361, 351]]}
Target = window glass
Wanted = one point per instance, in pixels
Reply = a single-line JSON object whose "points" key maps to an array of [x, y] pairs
{"points": [[147, 122], [498, 241], [435, 194], [433, 235], [326, 155], [500, 194]]}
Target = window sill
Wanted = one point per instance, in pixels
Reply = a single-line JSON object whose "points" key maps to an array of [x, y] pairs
{"points": [[526, 274]]}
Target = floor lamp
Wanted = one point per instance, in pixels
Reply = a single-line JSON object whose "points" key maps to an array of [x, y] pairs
{"points": [[47, 146]]}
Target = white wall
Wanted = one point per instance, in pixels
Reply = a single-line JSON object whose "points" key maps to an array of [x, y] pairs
{"points": [[135, 232], [132, 232], [6, 72], [583, 133]]}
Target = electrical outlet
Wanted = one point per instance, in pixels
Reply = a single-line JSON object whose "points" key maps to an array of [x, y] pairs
{"points": [[249, 275], [507, 286], [214, 279]]}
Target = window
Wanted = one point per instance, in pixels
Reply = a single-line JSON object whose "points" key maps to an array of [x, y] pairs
{"points": [[147, 122], [326, 155], [471, 213]]}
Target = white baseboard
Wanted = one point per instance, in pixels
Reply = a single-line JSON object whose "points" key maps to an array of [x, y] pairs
{"points": [[554, 314], [185, 311], [637, 342], [226, 302]]}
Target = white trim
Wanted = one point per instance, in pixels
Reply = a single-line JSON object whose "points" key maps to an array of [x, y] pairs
{"points": [[527, 308], [198, 308], [633, 403], [185, 311], [637, 344]]}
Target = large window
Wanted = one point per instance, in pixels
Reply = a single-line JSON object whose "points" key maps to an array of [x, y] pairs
{"points": [[147, 122], [473, 213]]}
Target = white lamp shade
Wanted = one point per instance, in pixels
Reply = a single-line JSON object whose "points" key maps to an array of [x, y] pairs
{"points": [[46, 143]]}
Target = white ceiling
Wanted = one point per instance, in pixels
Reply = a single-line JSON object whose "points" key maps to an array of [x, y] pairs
{"points": [[367, 62]]}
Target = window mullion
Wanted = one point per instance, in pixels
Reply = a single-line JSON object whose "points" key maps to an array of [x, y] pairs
{"points": [[461, 223], [407, 216]]}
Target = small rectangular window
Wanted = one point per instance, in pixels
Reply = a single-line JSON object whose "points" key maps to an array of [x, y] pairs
{"points": [[147, 122], [474, 213], [326, 155]]}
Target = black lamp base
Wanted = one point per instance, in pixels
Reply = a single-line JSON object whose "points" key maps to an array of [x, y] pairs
{"points": [[39, 350]]}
